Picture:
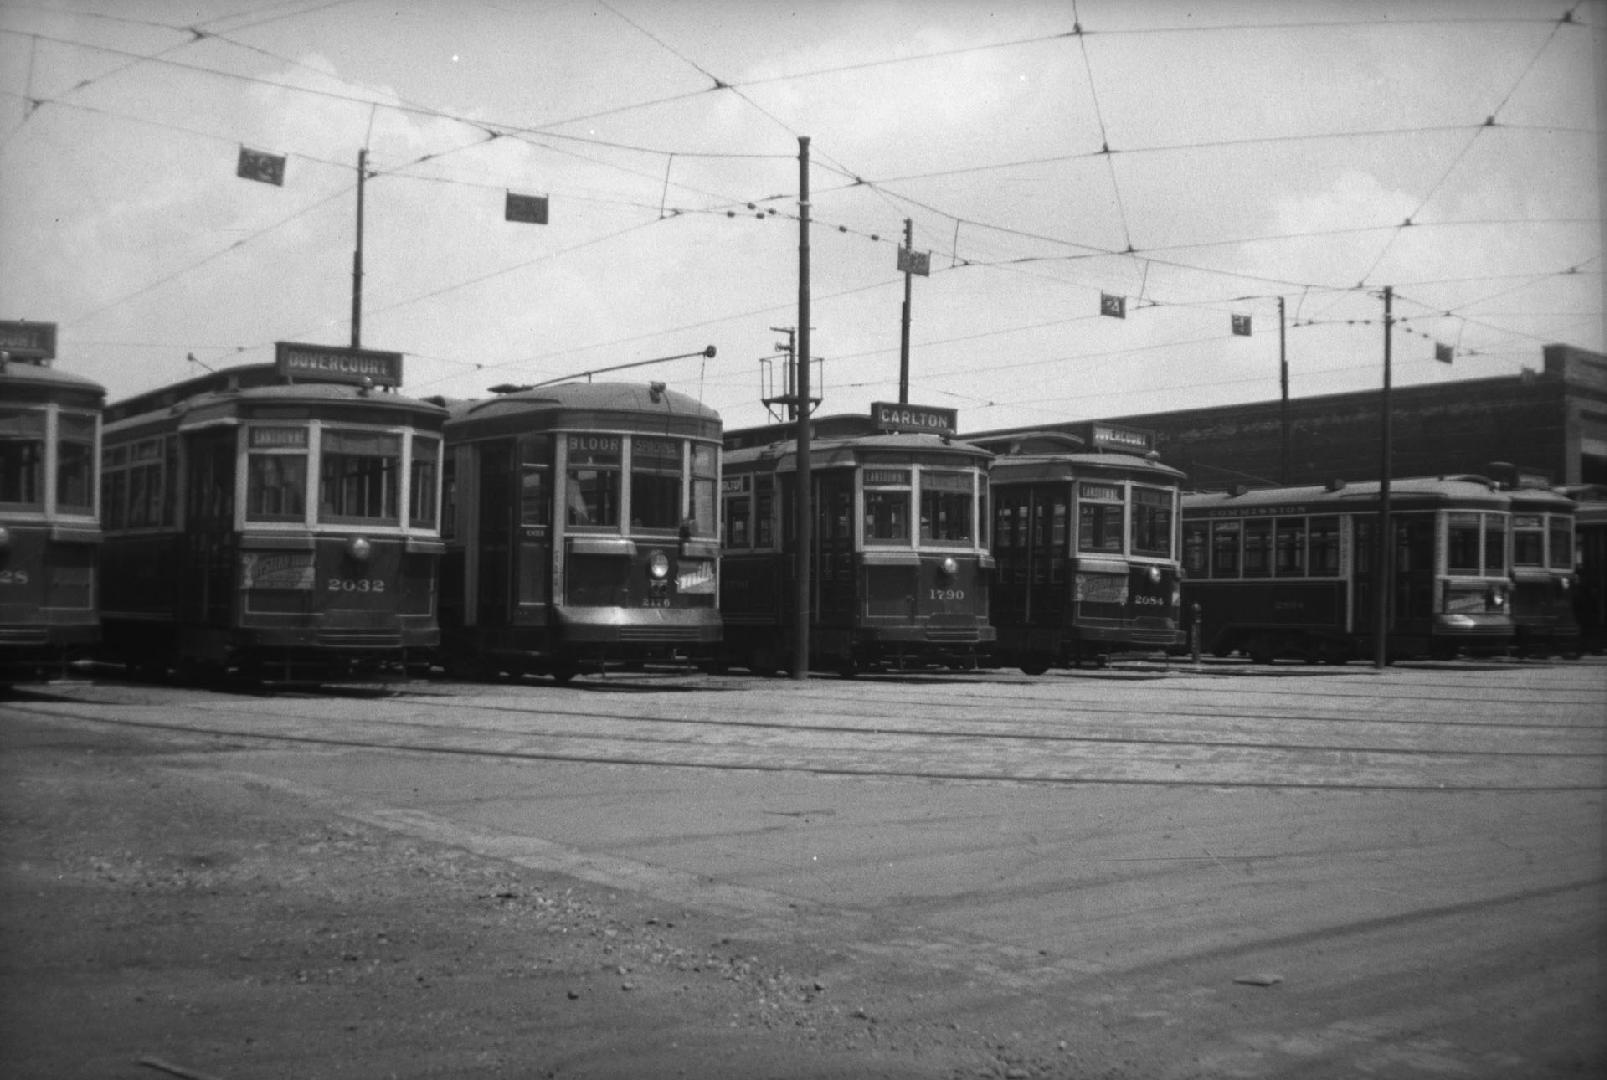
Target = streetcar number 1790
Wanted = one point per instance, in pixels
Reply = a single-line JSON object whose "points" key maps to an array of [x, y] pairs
{"points": [[947, 594]]}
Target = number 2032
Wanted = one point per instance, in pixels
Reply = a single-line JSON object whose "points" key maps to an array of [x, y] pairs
{"points": [[356, 585]]}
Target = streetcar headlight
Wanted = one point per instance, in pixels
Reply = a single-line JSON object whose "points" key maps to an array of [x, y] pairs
{"points": [[1155, 575], [949, 567], [5, 537], [359, 548], [658, 566], [1495, 598]]}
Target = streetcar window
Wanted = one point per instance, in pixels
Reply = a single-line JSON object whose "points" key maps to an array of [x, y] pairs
{"points": [[1462, 543], [1195, 546], [1099, 518], [738, 512], [358, 477], [276, 474], [982, 510], [1258, 548], [147, 482], [423, 479], [1324, 539], [535, 480], [1528, 540], [1152, 522], [592, 482], [764, 521], [1225, 549], [887, 506], [113, 490], [1289, 550], [210, 487], [946, 505], [1562, 542], [655, 483], [22, 457], [705, 481], [75, 463], [1495, 543]]}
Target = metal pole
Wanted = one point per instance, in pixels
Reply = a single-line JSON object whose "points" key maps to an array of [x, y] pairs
{"points": [[1383, 575], [1283, 385], [904, 333], [357, 255], [803, 501]]}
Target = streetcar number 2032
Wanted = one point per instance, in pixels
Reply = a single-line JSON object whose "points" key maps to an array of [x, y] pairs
{"points": [[946, 594], [337, 584]]}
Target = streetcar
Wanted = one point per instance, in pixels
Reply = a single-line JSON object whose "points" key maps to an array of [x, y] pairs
{"points": [[1590, 558], [274, 522], [1085, 534], [1289, 571], [49, 525], [582, 531], [1544, 580], [899, 567]]}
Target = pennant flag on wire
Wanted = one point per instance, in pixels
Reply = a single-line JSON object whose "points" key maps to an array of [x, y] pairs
{"points": [[1114, 306], [262, 167], [1442, 353], [530, 209], [1241, 325]]}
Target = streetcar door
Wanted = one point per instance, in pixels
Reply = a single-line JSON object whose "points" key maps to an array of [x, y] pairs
{"points": [[206, 593], [834, 547], [534, 557], [1012, 552], [493, 554], [1414, 573]]}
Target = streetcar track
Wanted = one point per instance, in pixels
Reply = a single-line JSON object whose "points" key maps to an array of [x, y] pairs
{"points": [[760, 765]]}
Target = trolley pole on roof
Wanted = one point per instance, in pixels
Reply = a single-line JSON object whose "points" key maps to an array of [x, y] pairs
{"points": [[357, 255], [803, 501], [1283, 407], [1382, 575]]}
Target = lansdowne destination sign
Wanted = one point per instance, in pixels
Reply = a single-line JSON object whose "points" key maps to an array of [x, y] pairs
{"points": [[331, 363]]}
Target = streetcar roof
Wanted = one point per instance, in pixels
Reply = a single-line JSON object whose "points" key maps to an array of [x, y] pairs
{"points": [[783, 456], [1022, 467], [256, 384], [1446, 491], [581, 406], [25, 380]]}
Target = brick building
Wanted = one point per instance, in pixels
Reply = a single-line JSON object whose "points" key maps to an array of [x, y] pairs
{"points": [[1552, 421]]}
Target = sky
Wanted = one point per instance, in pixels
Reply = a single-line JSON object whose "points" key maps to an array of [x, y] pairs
{"points": [[1284, 161]]}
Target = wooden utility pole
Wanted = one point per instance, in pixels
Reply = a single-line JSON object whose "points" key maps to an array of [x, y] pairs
{"points": [[357, 255], [904, 333], [1382, 575], [803, 497]]}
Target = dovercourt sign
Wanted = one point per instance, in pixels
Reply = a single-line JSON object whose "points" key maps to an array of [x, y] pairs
{"points": [[915, 419], [331, 363]]}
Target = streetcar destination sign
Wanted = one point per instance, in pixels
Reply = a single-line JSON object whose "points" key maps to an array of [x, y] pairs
{"points": [[331, 363], [28, 340], [917, 419]]}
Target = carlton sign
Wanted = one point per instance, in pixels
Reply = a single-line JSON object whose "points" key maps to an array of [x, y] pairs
{"points": [[915, 419], [331, 363]]}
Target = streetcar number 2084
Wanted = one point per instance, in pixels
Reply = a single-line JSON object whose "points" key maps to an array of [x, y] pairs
{"points": [[947, 594], [356, 585]]}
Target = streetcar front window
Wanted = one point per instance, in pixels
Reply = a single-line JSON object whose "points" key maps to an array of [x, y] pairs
{"points": [[887, 506], [655, 483], [705, 483], [1152, 522], [1462, 544], [946, 504], [22, 458], [359, 477], [592, 481], [1495, 544], [423, 478], [1100, 517], [75, 463], [276, 474], [1562, 542], [1528, 540]]}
